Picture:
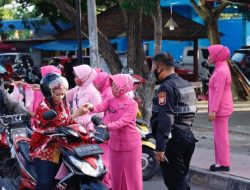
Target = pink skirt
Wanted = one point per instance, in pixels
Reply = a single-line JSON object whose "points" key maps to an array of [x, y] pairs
{"points": [[126, 169]]}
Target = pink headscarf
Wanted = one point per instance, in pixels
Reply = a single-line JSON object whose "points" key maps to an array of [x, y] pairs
{"points": [[218, 53], [50, 69], [124, 82], [85, 73], [98, 70], [102, 81]]}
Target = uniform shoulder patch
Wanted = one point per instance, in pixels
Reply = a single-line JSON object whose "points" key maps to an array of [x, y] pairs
{"points": [[162, 98]]}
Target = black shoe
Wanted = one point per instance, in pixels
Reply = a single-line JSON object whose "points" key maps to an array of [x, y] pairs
{"points": [[215, 168]]}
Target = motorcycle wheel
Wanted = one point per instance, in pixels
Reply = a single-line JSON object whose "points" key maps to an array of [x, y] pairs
{"points": [[149, 164]]}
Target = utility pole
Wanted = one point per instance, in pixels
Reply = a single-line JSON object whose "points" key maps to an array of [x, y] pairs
{"points": [[79, 33], [93, 38]]}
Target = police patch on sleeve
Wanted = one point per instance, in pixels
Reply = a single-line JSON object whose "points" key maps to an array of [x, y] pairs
{"points": [[162, 98]]}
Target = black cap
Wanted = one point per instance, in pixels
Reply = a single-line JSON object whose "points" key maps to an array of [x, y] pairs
{"points": [[164, 58]]}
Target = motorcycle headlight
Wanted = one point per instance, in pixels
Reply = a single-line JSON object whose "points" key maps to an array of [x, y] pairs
{"points": [[18, 132], [86, 168]]}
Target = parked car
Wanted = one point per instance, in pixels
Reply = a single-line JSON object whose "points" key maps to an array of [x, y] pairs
{"points": [[11, 57], [242, 58], [187, 61], [20, 66]]}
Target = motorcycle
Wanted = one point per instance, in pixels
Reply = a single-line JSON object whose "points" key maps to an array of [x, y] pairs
{"points": [[11, 127], [149, 164], [82, 167]]}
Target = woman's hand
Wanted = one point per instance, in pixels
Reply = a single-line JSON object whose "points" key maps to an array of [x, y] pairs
{"points": [[32, 114], [88, 106], [19, 83], [80, 111], [211, 116], [35, 87]]}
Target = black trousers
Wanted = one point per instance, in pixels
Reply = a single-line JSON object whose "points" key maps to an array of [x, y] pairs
{"points": [[46, 172], [179, 152]]}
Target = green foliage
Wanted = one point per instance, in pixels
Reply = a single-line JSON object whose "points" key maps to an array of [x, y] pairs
{"points": [[5, 2], [6, 13], [245, 12], [148, 6]]}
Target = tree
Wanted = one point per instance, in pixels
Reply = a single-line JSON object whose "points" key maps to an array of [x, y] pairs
{"points": [[105, 46], [150, 86], [210, 14], [3, 10], [57, 9], [133, 11]]}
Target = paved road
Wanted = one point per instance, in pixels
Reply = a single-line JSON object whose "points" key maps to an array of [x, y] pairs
{"points": [[157, 183]]}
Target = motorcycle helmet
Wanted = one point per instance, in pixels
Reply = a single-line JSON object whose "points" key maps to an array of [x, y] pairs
{"points": [[52, 81]]}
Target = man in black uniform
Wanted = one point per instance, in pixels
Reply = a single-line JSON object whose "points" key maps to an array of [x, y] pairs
{"points": [[173, 112]]}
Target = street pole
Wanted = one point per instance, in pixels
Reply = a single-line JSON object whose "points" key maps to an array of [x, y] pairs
{"points": [[79, 33], [93, 38]]}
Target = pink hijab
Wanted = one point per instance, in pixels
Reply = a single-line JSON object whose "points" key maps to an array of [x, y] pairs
{"points": [[102, 81], [124, 83], [85, 73], [218, 54], [49, 69]]}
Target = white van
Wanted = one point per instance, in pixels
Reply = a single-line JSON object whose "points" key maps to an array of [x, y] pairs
{"points": [[187, 61]]}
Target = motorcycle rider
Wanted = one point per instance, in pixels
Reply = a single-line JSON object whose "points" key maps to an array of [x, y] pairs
{"points": [[7, 103], [45, 159]]}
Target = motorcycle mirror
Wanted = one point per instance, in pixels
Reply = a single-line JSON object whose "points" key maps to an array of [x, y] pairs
{"points": [[204, 64], [48, 115], [96, 120]]}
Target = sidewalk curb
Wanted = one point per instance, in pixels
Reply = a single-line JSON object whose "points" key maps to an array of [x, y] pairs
{"points": [[217, 181]]}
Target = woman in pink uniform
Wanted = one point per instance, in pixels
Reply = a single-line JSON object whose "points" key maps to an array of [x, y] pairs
{"points": [[220, 105], [103, 85], [84, 92], [125, 142]]}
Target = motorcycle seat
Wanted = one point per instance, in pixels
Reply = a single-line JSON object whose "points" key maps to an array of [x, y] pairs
{"points": [[24, 150]]}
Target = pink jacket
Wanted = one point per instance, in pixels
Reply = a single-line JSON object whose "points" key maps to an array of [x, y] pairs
{"points": [[27, 97], [80, 95], [33, 98], [121, 117], [220, 95], [103, 85]]}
